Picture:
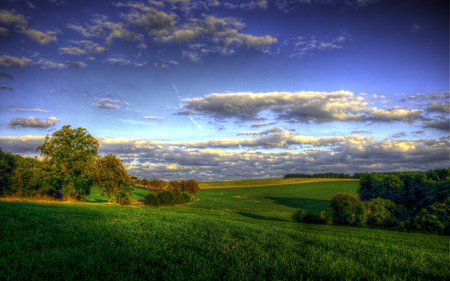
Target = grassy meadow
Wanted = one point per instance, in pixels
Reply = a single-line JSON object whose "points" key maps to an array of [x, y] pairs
{"points": [[226, 233]]}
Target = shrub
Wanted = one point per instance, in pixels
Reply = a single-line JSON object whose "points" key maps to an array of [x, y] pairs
{"points": [[305, 216], [167, 198], [348, 210], [125, 201], [191, 186], [152, 199], [186, 196], [428, 223], [179, 199], [378, 214], [326, 218]]}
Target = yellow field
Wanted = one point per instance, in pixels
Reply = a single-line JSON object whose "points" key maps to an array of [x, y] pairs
{"points": [[262, 182]]}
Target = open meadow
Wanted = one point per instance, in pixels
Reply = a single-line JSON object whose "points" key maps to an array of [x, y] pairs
{"points": [[239, 230]]}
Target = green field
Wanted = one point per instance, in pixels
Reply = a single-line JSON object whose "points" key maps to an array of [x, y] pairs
{"points": [[226, 234]]}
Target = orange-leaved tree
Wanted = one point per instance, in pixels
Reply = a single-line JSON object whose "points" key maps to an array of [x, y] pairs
{"points": [[112, 178], [69, 157]]}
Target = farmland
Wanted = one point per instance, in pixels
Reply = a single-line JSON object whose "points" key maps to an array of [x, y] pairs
{"points": [[239, 230]]}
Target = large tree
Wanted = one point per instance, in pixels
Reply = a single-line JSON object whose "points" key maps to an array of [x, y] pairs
{"points": [[112, 178], [69, 159]]}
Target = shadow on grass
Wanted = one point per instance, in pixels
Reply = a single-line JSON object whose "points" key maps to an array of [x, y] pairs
{"points": [[253, 216], [301, 203]]}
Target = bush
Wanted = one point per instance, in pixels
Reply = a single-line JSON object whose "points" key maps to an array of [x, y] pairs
{"points": [[167, 198], [428, 223], [152, 199], [378, 214], [305, 216], [124, 201], [179, 199], [348, 210], [186, 196], [326, 218]]}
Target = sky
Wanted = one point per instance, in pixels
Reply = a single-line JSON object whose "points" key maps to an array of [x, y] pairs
{"points": [[218, 90]]}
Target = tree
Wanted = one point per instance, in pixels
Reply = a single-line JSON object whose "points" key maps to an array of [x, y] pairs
{"points": [[7, 163], [112, 177], [190, 186], [69, 158]]}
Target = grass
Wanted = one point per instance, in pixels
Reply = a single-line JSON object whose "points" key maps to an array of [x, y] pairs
{"points": [[263, 182], [229, 234]]}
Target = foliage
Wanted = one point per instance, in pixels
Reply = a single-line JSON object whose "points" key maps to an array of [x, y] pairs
{"points": [[7, 163], [167, 198], [69, 160], [442, 212], [428, 223], [348, 210], [175, 185], [186, 196], [378, 214], [306, 217], [190, 186], [112, 178], [27, 178], [440, 190], [152, 199]]}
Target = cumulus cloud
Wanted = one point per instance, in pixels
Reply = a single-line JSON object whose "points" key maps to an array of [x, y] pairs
{"points": [[46, 64], [100, 25], [306, 107], [9, 61], [39, 36], [440, 124], [10, 17], [441, 95], [83, 47], [22, 109], [6, 75], [153, 118], [32, 122], [437, 107], [76, 64]]}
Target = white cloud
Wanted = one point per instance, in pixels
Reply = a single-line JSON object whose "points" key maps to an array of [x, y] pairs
{"points": [[32, 122], [318, 107], [9, 61]]}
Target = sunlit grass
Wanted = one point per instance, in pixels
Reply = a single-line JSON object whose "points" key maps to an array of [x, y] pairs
{"points": [[229, 234]]}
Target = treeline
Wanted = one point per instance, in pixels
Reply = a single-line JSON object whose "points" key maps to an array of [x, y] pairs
{"points": [[70, 168], [324, 176], [409, 201]]}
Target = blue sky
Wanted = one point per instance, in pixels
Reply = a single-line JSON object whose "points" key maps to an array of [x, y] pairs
{"points": [[222, 90]]}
